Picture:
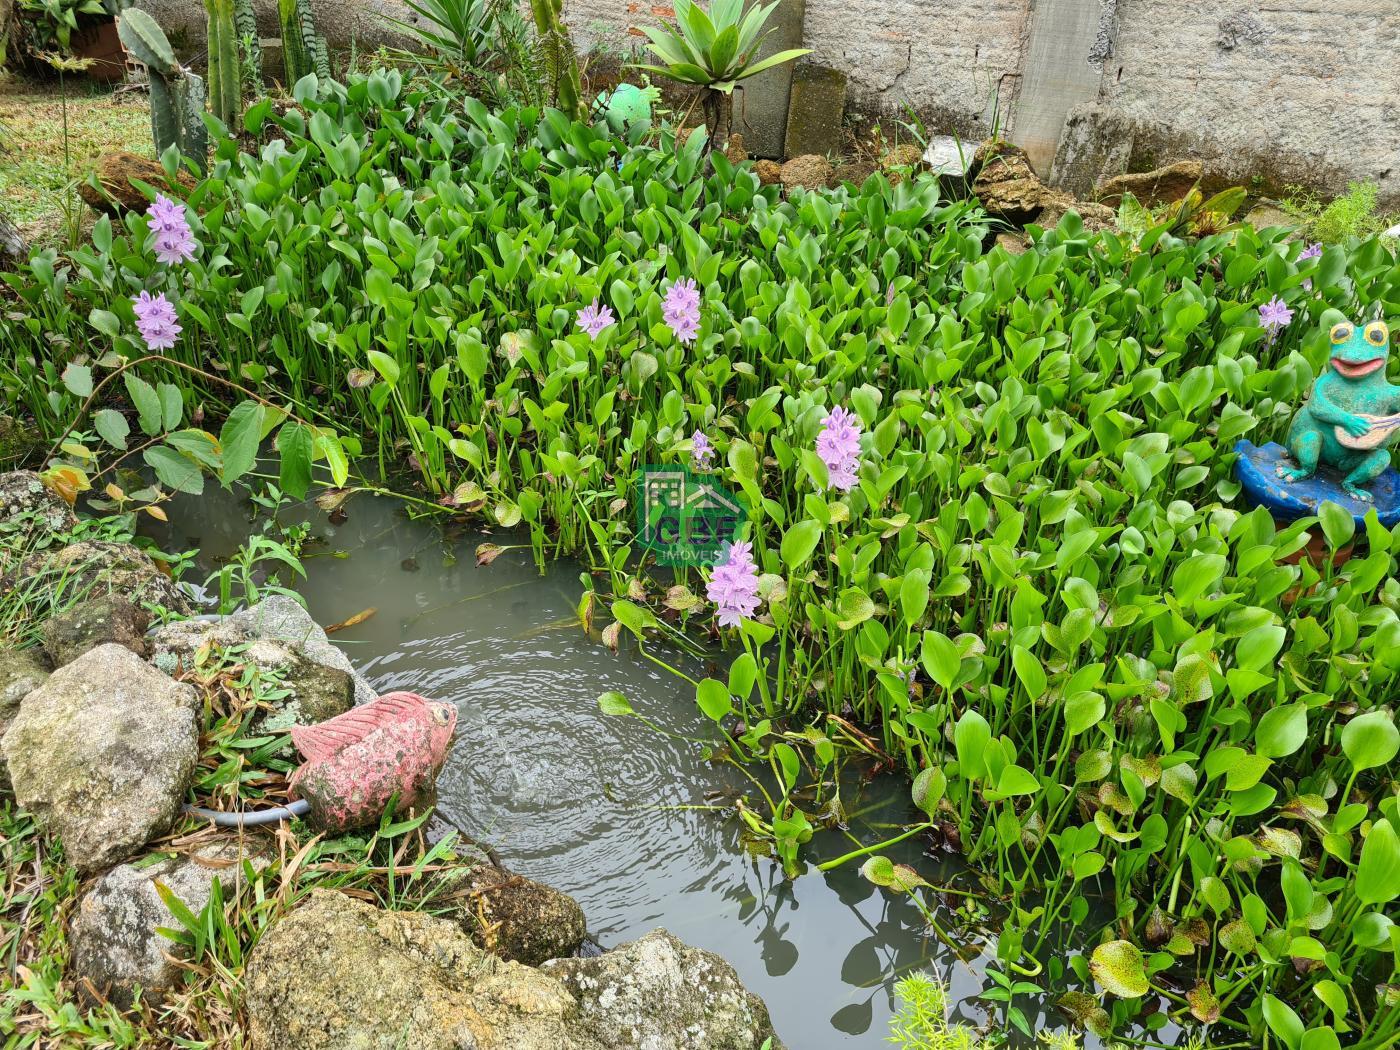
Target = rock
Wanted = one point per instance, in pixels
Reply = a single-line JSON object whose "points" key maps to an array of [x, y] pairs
{"points": [[816, 109], [949, 156], [1267, 213], [1011, 191], [13, 249], [103, 752], [853, 171], [1097, 141], [30, 514], [761, 102], [769, 172], [900, 160], [734, 150], [95, 567], [1161, 186], [278, 619], [1015, 243], [344, 23], [809, 173], [21, 672], [88, 624], [512, 916], [117, 174], [339, 973], [113, 935], [660, 992]]}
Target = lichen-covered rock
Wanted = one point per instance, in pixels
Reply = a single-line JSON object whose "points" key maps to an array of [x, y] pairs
{"points": [[102, 752], [660, 992], [278, 619], [769, 172], [88, 624], [1009, 189], [339, 973], [95, 567], [810, 172], [512, 916], [117, 174], [1165, 185], [113, 937], [21, 672], [901, 159], [29, 513]]}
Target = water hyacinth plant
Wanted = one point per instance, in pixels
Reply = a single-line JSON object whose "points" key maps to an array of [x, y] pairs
{"points": [[1136, 709]]}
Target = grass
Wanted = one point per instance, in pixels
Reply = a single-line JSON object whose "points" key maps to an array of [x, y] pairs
{"points": [[34, 181]]}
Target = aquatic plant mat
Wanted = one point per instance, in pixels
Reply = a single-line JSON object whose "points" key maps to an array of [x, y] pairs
{"points": [[1041, 594]]}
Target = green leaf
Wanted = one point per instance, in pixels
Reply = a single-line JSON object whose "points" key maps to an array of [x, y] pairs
{"points": [[1378, 870], [1118, 967], [149, 414], [1371, 740], [1338, 525], [78, 380], [853, 607], [1015, 780], [1283, 1021], [1282, 730], [714, 699], [971, 736], [174, 470], [295, 445], [614, 703], [940, 658], [172, 406], [385, 365], [799, 542], [112, 427], [239, 439]]}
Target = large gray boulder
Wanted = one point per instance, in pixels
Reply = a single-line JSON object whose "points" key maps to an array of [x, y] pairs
{"points": [[658, 993], [96, 621], [113, 937], [103, 752], [21, 672], [29, 514], [290, 638], [92, 568], [339, 973]]}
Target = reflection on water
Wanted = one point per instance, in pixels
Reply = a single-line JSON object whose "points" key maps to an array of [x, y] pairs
{"points": [[605, 808]]}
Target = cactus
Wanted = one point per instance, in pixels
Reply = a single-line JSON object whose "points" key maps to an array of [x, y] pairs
{"points": [[225, 78], [250, 51], [304, 49], [561, 65], [177, 95]]}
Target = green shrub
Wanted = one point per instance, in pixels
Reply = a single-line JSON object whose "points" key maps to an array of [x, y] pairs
{"points": [[1352, 215]]}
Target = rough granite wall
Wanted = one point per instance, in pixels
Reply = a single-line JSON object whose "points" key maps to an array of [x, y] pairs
{"points": [[1298, 91], [946, 57]]}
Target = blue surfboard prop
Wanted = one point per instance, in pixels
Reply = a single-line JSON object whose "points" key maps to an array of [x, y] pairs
{"points": [[1257, 471]]}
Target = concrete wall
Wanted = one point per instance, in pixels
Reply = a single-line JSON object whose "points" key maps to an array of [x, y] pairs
{"points": [[1301, 91], [1293, 91]]}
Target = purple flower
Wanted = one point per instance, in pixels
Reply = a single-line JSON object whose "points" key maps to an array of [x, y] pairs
{"points": [[734, 585], [889, 294], [1312, 251], [174, 241], [838, 445], [1274, 316], [156, 320], [594, 318], [700, 451], [681, 310]]}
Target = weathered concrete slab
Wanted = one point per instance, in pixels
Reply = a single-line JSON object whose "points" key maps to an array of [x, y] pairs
{"points": [[1058, 75], [761, 102], [816, 110]]}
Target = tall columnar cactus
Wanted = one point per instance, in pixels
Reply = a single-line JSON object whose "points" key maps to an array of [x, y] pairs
{"points": [[303, 49], [561, 64], [225, 76], [250, 50], [177, 94]]}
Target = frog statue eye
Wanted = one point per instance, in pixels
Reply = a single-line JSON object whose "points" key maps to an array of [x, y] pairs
{"points": [[1341, 333], [1377, 334]]}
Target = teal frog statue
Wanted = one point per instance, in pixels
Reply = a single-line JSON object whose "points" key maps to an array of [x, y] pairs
{"points": [[1352, 419]]}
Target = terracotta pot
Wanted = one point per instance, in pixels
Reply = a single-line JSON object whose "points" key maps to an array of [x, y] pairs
{"points": [[101, 44]]}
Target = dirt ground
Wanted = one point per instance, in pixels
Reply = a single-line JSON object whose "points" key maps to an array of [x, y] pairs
{"points": [[38, 185]]}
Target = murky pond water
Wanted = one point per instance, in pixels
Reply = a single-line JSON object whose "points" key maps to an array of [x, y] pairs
{"points": [[604, 808]]}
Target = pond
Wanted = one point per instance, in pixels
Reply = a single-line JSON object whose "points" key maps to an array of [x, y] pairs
{"points": [[630, 821]]}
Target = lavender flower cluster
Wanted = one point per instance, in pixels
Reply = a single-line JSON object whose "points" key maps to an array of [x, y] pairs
{"points": [[156, 319]]}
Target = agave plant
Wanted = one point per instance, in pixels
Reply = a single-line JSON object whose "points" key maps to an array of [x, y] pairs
{"points": [[714, 51]]}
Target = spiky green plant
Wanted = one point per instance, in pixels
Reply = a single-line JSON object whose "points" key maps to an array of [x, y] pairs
{"points": [[177, 94], [557, 52], [225, 75], [249, 49], [303, 48]]}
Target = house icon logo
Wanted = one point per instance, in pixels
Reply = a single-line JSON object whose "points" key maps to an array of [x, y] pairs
{"points": [[685, 518]]}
